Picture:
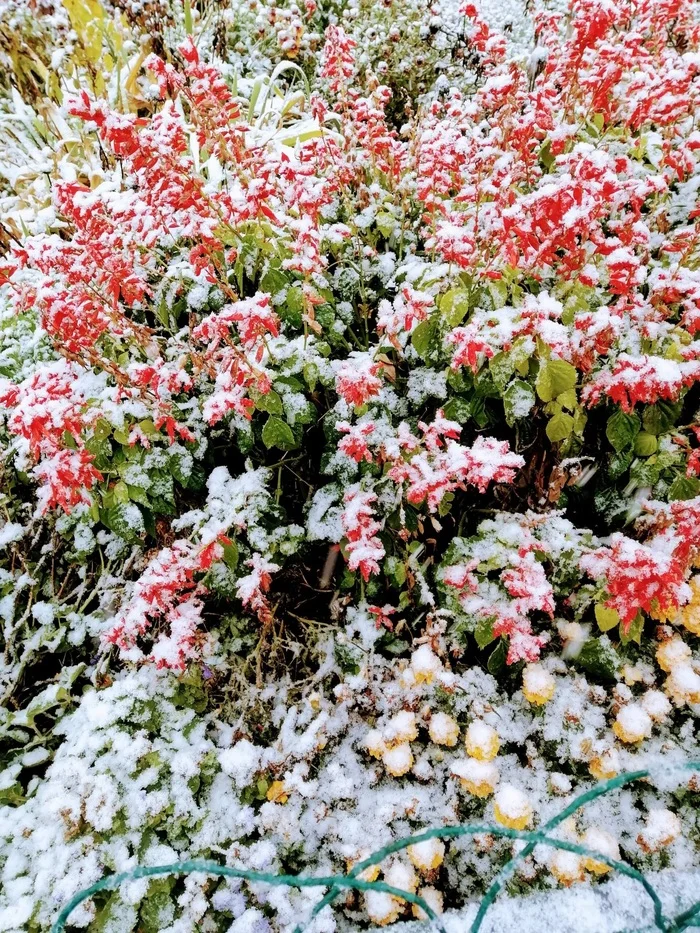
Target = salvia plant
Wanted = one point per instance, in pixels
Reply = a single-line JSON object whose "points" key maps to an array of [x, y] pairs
{"points": [[350, 448]]}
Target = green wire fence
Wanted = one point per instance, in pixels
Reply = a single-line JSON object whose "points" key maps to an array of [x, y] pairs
{"points": [[337, 883]]}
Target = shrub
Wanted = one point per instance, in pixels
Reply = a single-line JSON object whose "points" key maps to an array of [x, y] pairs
{"points": [[308, 385]]}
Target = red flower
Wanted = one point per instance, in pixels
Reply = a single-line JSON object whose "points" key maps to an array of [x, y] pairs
{"points": [[364, 549], [356, 379]]}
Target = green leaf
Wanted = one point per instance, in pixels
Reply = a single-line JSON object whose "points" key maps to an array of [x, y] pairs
{"points": [[501, 367], [684, 487], [149, 428], [518, 400], [277, 433], [445, 504], [422, 337], [12, 794], [633, 631], [311, 375], [555, 377], [270, 402], [567, 400], [559, 427], [121, 492], [496, 663], [102, 429], [458, 409], [114, 915], [231, 554], [521, 355], [599, 658], [390, 644], [622, 429], [580, 420], [273, 282], [546, 157], [498, 289], [126, 520], [163, 313], [137, 494], [645, 444], [619, 464], [157, 908], [658, 418], [606, 618], [346, 659], [293, 307], [484, 632], [454, 306], [385, 223], [395, 569]]}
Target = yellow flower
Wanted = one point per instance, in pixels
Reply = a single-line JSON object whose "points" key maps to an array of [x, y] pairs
{"points": [[433, 898], [567, 867], [398, 760], [478, 777], [601, 841], [401, 728], [443, 729], [371, 873], [481, 741], [690, 613], [656, 704], [538, 684], [374, 743], [427, 855], [425, 664], [671, 653], [401, 875], [633, 723], [683, 684], [667, 614], [277, 792], [511, 808], [662, 828], [382, 908], [605, 766]]}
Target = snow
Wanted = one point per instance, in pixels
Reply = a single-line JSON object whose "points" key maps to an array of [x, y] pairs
{"points": [[512, 802], [11, 532], [612, 907], [443, 729]]}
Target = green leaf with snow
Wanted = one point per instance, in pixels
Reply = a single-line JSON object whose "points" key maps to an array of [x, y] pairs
{"points": [[684, 487], [126, 520], [599, 658], [483, 632], [269, 402], [454, 306], [277, 433], [518, 400], [501, 367], [422, 337]]}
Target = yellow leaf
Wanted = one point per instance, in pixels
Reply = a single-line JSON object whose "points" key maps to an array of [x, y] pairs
{"points": [[606, 618]]}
